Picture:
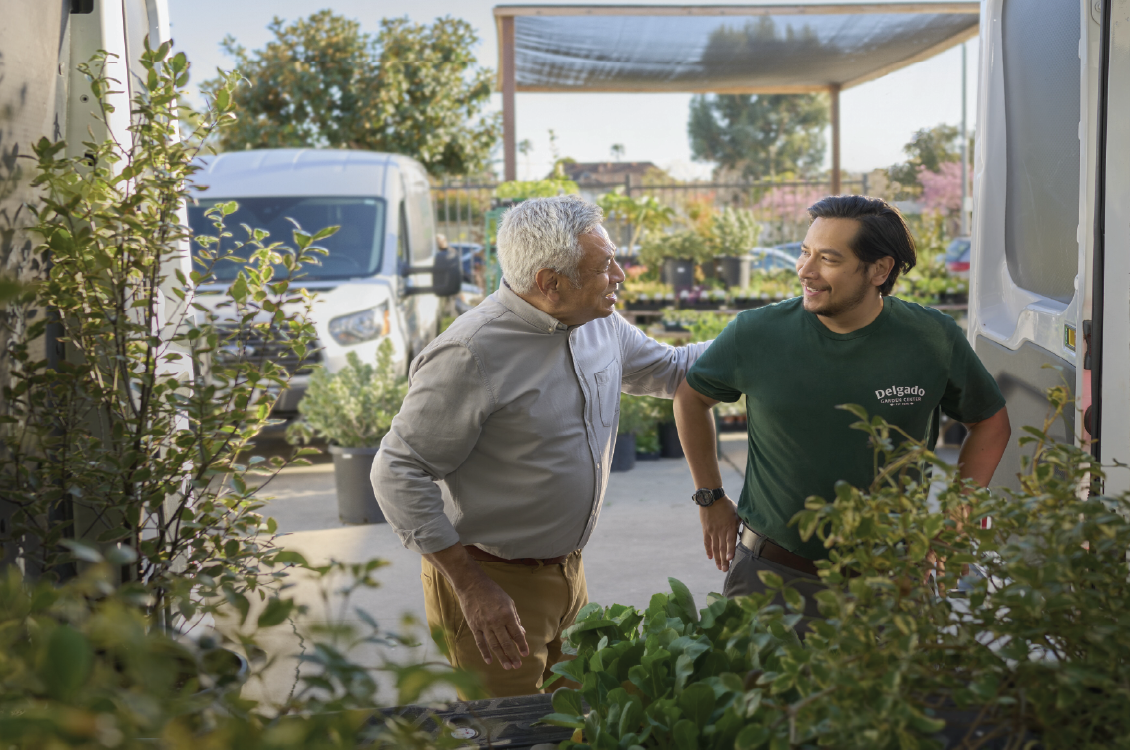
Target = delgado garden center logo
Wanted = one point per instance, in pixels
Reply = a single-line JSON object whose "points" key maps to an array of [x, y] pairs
{"points": [[900, 395]]}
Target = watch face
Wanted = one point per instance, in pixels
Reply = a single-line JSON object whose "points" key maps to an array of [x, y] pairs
{"points": [[704, 498]]}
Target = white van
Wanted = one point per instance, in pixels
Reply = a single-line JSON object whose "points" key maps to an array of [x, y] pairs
{"points": [[1049, 294], [382, 277]]}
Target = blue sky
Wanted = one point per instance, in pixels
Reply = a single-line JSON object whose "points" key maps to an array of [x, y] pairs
{"points": [[877, 117]]}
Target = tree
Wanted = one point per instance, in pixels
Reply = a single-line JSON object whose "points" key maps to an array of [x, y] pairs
{"points": [[928, 149], [761, 135], [412, 89]]}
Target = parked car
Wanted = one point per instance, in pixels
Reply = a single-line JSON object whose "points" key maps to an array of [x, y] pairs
{"points": [[957, 257], [471, 258], [771, 259], [382, 277], [792, 248]]}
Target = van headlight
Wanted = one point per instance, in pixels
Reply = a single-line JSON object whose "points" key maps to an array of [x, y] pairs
{"points": [[359, 327]]}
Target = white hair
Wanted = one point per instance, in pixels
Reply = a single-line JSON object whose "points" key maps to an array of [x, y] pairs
{"points": [[542, 233]]}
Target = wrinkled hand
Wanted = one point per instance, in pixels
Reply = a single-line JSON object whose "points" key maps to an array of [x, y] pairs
{"points": [[720, 531], [493, 620]]}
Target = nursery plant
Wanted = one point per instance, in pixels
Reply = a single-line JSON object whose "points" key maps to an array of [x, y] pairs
{"points": [[353, 407], [1032, 646], [131, 514]]}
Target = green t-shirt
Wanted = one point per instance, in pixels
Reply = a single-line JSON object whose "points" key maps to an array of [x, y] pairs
{"points": [[794, 372]]}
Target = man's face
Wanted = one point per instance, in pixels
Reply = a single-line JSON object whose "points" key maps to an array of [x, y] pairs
{"points": [[835, 283], [599, 274]]}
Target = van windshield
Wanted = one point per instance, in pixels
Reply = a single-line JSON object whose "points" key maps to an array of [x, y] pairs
{"points": [[355, 250]]}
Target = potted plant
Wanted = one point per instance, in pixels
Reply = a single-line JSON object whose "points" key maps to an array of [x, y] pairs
{"points": [[733, 233], [638, 416], [352, 409], [676, 254]]}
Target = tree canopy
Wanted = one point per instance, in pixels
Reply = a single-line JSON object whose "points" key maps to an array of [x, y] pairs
{"points": [[763, 135], [929, 148], [412, 89]]}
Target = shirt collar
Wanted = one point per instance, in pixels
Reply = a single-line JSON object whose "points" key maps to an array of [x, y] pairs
{"points": [[539, 319]]}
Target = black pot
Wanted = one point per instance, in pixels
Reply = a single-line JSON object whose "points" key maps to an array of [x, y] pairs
{"points": [[679, 273], [733, 270], [624, 456], [648, 456], [669, 445], [356, 503]]}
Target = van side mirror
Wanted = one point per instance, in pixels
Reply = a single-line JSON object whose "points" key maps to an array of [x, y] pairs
{"points": [[447, 275]]}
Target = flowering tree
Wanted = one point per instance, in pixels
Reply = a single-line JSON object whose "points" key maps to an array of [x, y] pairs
{"points": [[941, 190], [787, 204]]}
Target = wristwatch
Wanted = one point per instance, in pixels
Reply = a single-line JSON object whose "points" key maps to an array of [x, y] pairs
{"points": [[704, 497]]}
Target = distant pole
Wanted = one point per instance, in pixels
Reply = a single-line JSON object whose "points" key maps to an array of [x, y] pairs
{"points": [[509, 142], [964, 151], [834, 93]]}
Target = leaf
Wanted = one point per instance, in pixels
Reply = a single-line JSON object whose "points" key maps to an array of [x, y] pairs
{"points": [[276, 612], [67, 663], [770, 579], [683, 598], [568, 701], [752, 737], [697, 703], [685, 734]]}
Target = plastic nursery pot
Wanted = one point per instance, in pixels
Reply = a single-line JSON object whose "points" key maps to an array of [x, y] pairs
{"points": [[356, 503], [669, 445], [624, 456], [679, 273]]}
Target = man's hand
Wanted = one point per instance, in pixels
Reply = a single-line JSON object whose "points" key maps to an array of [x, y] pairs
{"points": [[493, 620], [720, 531], [489, 611]]}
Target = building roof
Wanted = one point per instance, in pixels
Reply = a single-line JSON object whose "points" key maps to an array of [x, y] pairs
{"points": [[727, 48], [609, 172]]}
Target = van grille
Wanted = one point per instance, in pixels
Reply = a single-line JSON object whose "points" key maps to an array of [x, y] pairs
{"points": [[251, 347]]}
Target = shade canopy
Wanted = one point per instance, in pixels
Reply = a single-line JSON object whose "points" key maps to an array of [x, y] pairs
{"points": [[725, 49]]}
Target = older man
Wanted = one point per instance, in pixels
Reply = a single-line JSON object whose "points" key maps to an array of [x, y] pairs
{"points": [[496, 466]]}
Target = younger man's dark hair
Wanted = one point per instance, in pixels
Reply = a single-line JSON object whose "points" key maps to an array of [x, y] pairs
{"points": [[882, 231]]}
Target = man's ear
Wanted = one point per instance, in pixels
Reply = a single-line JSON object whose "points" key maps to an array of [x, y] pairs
{"points": [[548, 281], [881, 269]]}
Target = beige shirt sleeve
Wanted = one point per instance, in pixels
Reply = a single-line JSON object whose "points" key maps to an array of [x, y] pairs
{"points": [[651, 368], [439, 424]]}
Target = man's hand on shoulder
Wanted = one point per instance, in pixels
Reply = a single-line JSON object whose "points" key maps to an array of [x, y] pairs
{"points": [[720, 531], [489, 611]]}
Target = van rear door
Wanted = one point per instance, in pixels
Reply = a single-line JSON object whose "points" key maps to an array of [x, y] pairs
{"points": [[1031, 211]]}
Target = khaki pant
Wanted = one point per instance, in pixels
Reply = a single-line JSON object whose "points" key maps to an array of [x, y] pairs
{"points": [[547, 598]]}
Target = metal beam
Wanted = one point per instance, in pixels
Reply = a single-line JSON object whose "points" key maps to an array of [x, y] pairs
{"points": [[734, 10], [509, 142], [834, 95]]}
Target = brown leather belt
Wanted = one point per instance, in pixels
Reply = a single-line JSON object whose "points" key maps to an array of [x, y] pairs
{"points": [[774, 552], [481, 556]]}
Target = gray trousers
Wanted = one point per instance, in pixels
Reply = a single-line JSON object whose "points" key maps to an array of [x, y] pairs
{"points": [[742, 579]]}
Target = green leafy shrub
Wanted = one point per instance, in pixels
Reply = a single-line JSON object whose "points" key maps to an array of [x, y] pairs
{"points": [[523, 189], [1039, 646], [734, 231], [131, 517], [353, 407], [685, 244]]}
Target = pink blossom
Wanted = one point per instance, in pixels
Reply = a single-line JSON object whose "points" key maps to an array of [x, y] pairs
{"points": [[941, 190]]}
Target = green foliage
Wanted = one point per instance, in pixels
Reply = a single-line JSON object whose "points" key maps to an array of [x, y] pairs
{"points": [[707, 326], [734, 231], [645, 214], [523, 189], [685, 244], [353, 407], [928, 148], [412, 89], [763, 136], [133, 518], [639, 414], [1040, 644]]}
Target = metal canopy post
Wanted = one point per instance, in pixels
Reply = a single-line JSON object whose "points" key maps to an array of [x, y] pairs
{"points": [[509, 142], [834, 94]]}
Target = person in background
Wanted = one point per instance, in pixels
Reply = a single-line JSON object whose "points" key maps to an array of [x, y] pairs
{"points": [[497, 464]]}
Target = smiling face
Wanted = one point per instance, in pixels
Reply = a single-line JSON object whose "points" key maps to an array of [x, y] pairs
{"points": [[839, 289], [600, 276]]}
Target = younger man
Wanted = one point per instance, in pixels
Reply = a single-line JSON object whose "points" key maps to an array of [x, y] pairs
{"points": [[845, 341]]}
